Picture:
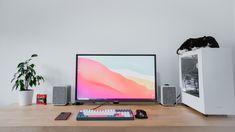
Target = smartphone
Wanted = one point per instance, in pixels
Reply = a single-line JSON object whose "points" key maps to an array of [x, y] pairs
{"points": [[63, 116]]}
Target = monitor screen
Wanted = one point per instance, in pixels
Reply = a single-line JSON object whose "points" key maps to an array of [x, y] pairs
{"points": [[115, 77]]}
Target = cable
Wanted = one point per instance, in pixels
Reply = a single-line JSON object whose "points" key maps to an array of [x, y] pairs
{"points": [[99, 106]]}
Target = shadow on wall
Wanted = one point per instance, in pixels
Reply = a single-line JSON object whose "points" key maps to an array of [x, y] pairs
{"points": [[233, 50], [53, 77]]}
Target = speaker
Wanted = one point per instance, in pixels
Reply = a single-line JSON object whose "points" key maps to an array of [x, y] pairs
{"points": [[61, 95], [167, 95]]}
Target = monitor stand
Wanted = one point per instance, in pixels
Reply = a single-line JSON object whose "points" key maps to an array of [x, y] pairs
{"points": [[78, 103], [115, 102]]}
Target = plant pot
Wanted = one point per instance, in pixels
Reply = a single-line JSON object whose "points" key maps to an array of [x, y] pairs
{"points": [[25, 97]]}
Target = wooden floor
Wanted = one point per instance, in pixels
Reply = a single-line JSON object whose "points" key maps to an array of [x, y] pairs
{"points": [[179, 118]]}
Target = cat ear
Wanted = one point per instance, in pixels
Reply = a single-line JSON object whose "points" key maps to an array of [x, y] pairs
{"points": [[194, 48], [204, 38]]}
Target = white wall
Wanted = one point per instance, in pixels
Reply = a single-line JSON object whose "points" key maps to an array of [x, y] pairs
{"points": [[58, 29], [234, 19]]}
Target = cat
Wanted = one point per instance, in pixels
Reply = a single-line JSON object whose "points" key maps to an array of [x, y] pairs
{"points": [[191, 43]]}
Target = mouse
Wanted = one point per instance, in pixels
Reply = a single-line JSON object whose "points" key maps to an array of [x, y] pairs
{"points": [[141, 114]]}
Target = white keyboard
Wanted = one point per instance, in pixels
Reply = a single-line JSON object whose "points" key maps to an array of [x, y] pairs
{"points": [[105, 114]]}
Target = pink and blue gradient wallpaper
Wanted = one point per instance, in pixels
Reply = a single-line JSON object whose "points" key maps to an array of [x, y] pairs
{"points": [[115, 77]]}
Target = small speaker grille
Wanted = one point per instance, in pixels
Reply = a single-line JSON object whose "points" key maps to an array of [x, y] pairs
{"points": [[169, 95], [59, 95]]}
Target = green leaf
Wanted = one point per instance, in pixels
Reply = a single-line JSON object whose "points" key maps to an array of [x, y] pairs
{"points": [[14, 86], [32, 66], [28, 76], [13, 79], [21, 70], [27, 61], [35, 83], [20, 75], [32, 70], [34, 55], [22, 86], [30, 83], [21, 64]]}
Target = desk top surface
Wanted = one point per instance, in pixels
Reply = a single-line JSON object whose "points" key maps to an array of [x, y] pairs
{"points": [[44, 115]]}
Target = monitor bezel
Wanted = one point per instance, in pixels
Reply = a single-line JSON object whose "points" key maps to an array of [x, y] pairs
{"points": [[116, 100]]}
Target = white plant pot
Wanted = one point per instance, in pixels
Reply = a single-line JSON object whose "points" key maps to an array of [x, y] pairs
{"points": [[25, 97]]}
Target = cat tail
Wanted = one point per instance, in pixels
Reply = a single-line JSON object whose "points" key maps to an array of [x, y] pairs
{"points": [[177, 51]]}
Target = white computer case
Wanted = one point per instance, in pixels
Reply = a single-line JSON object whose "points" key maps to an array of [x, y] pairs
{"points": [[206, 81]]}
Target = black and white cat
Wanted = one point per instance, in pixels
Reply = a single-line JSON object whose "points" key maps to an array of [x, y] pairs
{"points": [[196, 43]]}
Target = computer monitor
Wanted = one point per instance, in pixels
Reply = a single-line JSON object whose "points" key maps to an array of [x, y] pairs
{"points": [[115, 77]]}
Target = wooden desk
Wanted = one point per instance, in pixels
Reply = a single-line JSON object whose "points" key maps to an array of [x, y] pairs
{"points": [[37, 118]]}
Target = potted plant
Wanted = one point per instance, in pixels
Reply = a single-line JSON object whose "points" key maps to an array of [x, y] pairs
{"points": [[24, 78]]}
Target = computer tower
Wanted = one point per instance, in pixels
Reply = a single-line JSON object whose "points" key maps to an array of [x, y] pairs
{"points": [[206, 80]]}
